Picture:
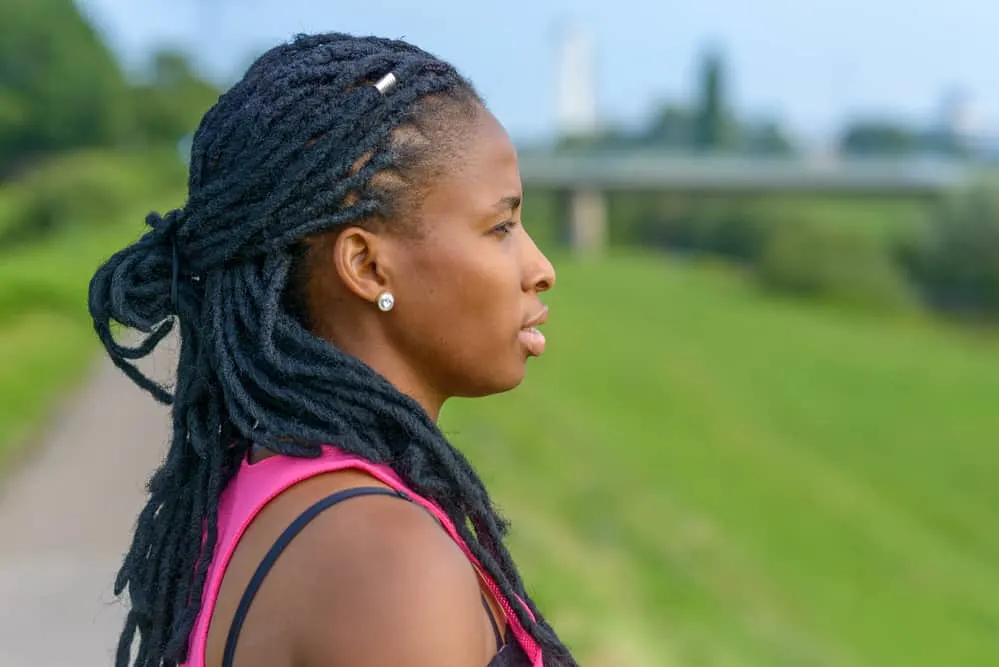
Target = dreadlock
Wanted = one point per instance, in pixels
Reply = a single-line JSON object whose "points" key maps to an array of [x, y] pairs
{"points": [[295, 149]]}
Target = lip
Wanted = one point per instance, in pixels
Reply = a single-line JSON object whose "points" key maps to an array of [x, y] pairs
{"points": [[537, 320]]}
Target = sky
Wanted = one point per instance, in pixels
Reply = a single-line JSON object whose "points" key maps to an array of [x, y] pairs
{"points": [[809, 63]]}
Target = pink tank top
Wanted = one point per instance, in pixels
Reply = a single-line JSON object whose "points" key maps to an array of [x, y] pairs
{"points": [[255, 485]]}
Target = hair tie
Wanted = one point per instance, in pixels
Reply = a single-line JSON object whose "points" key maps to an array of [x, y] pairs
{"points": [[166, 226], [175, 273]]}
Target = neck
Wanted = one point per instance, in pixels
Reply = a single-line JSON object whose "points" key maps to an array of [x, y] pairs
{"points": [[381, 357], [403, 379]]}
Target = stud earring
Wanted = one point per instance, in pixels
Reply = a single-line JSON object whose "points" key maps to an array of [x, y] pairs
{"points": [[386, 301]]}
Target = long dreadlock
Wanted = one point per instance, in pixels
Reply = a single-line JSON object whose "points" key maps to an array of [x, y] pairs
{"points": [[292, 150]]}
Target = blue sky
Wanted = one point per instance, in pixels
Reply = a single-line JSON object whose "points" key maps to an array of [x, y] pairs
{"points": [[809, 62]]}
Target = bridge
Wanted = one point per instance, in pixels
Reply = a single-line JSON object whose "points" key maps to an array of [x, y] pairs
{"points": [[584, 179]]}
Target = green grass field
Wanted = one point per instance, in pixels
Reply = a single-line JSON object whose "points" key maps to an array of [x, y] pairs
{"points": [[42, 355], [699, 475]]}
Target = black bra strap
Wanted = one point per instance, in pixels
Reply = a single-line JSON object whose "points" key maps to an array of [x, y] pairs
{"points": [[492, 620], [282, 542]]}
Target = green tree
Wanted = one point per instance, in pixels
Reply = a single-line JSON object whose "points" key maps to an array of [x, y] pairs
{"points": [[878, 137], [957, 263], [671, 126], [766, 137], [712, 129], [60, 87], [170, 104]]}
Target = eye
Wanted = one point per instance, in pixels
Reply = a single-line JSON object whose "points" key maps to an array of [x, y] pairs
{"points": [[504, 228]]}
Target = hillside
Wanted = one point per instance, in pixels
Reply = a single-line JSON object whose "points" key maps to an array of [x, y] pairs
{"points": [[701, 475]]}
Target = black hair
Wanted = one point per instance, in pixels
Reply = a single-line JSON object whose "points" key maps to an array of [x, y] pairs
{"points": [[295, 148]]}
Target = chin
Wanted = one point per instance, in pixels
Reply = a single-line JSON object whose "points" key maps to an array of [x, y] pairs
{"points": [[499, 381]]}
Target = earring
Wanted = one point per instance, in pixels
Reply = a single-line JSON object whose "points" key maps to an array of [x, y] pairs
{"points": [[385, 301]]}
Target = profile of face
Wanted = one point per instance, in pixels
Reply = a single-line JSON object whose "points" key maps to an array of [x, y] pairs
{"points": [[466, 285]]}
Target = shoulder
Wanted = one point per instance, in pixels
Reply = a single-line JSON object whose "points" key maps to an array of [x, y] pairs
{"points": [[377, 581]]}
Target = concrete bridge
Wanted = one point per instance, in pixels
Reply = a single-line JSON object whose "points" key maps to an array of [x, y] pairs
{"points": [[584, 179]]}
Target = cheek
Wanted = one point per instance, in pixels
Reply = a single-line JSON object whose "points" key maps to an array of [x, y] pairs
{"points": [[469, 304], [481, 298]]}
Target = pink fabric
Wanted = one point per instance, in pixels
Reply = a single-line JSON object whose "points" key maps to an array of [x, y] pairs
{"points": [[256, 485]]}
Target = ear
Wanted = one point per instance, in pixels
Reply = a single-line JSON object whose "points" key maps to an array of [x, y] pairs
{"points": [[362, 261]]}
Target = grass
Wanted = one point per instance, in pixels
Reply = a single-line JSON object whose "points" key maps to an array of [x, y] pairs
{"points": [[42, 355], [700, 475], [46, 337]]}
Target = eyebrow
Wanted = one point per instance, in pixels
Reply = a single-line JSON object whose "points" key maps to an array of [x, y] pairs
{"points": [[508, 203]]}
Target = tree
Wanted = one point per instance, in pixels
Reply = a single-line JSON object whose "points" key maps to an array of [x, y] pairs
{"points": [[711, 124], [766, 137], [956, 263], [171, 103], [60, 87], [672, 126], [878, 137]]}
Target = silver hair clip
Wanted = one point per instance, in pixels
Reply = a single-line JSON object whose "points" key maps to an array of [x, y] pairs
{"points": [[386, 83]]}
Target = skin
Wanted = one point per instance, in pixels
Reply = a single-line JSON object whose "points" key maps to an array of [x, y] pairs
{"points": [[375, 581]]}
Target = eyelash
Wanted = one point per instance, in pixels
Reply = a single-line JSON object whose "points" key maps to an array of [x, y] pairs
{"points": [[505, 227]]}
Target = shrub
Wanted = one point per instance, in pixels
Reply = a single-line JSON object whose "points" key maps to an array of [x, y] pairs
{"points": [[956, 263], [82, 189], [824, 261]]}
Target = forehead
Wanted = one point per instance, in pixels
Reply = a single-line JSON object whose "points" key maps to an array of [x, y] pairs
{"points": [[483, 172]]}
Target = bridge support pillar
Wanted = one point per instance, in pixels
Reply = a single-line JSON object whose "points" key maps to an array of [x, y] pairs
{"points": [[586, 211]]}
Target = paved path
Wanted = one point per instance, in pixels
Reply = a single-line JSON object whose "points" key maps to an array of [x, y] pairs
{"points": [[66, 518]]}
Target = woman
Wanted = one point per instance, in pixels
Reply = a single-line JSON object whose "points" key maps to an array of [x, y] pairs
{"points": [[350, 256]]}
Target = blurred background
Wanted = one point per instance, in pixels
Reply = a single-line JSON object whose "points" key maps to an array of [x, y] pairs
{"points": [[760, 436]]}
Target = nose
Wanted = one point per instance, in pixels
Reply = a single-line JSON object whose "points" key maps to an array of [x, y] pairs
{"points": [[539, 275]]}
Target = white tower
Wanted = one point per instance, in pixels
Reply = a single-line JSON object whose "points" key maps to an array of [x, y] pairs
{"points": [[576, 89], [958, 115]]}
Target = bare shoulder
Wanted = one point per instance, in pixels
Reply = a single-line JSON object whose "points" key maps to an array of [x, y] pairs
{"points": [[375, 582]]}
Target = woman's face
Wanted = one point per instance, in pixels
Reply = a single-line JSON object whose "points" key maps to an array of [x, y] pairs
{"points": [[467, 292], [466, 284]]}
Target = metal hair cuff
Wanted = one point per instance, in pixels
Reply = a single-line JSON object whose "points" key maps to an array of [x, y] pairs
{"points": [[386, 83]]}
